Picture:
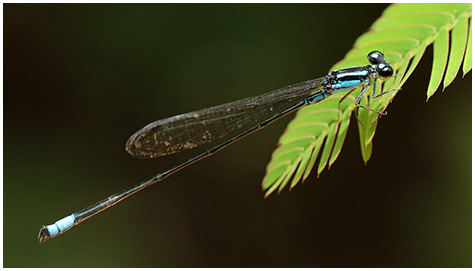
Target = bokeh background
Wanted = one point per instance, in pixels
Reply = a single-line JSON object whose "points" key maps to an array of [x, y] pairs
{"points": [[80, 79]]}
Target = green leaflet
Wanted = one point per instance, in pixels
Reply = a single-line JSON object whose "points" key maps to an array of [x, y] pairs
{"points": [[341, 137], [467, 63], [457, 48], [441, 52], [402, 33]]}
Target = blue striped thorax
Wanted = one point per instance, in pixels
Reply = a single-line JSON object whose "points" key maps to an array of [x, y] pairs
{"points": [[354, 77], [347, 79]]}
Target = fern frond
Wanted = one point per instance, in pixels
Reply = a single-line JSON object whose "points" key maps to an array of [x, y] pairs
{"points": [[402, 33]]}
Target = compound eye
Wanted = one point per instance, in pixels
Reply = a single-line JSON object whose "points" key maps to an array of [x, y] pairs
{"points": [[375, 57], [386, 72]]}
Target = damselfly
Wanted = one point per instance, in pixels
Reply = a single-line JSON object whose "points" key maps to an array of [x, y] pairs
{"points": [[230, 122]]}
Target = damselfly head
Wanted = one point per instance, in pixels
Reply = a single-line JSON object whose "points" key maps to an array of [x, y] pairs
{"points": [[376, 57], [384, 71]]}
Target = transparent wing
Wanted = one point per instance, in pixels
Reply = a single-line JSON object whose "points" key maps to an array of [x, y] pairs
{"points": [[187, 131]]}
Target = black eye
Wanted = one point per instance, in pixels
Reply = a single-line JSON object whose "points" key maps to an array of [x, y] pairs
{"points": [[386, 72], [375, 57]]}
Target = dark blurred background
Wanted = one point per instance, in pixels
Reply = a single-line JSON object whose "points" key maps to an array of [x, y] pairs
{"points": [[80, 79]]}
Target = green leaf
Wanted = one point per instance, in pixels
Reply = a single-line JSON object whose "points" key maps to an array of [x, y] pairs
{"points": [[363, 129], [441, 52], [402, 33], [328, 147], [467, 63], [302, 166], [415, 60], [316, 146], [366, 149], [341, 138], [457, 48], [287, 176]]}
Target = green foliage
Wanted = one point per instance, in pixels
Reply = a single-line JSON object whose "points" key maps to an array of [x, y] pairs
{"points": [[402, 33]]}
